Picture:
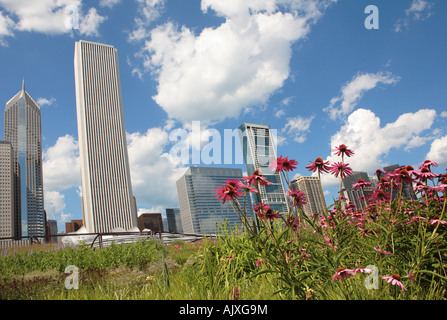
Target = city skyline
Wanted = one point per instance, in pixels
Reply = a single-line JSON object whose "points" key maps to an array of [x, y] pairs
{"points": [[314, 73]]}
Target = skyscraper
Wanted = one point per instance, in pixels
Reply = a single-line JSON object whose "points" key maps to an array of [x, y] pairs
{"points": [[107, 199], [174, 220], [258, 149], [23, 130], [7, 223], [200, 210], [310, 186]]}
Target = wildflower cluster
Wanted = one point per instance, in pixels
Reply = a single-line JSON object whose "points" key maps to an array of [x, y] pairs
{"points": [[397, 225]]}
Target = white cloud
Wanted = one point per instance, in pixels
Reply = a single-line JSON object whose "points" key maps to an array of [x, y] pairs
{"points": [[444, 114], [364, 134], [418, 10], [61, 166], [438, 151], [297, 128], [353, 91], [219, 72], [89, 25], [6, 26], [109, 3], [149, 11], [153, 174], [45, 101], [48, 16]]}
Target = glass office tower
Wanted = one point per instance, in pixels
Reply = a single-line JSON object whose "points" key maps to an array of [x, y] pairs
{"points": [[258, 149], [200, 210], [23, 130]]}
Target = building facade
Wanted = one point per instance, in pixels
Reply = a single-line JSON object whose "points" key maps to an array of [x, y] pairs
{"points": [[107, 198], [200, 210], [7, 223], [310, 186], [23, 129], [174, 220], [258, 148], [151, 221]]}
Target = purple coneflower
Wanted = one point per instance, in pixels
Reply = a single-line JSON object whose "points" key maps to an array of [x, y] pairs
{"points": [[362, 270], [318, 165], [341, 169], [428, 164], [362, 184], [298, 198], [383, 251], [343, 150], [229, 191], [342, 273], [283, 164], [394, 280], [256, 178], [425, 174]]}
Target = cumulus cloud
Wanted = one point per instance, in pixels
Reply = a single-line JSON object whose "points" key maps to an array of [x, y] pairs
{"points": [[48, 16], [61, 166], [353, 91], [45, 101], [297, 128], [438, 151], [109, 3], [153, 173], [418, 10], [364, 134], [6, 26], [222, 70], [149, 11]]}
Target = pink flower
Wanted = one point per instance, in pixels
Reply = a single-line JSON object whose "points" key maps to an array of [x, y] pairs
{"points": [[264, 212], [428, 164], [361, 184], [248, 187], [298, 198], [283, 164], [394, 280], [401, 175], [343, 150], [256, 178], [383, 251], [362, 270], [318, 165], [436, 220], [178, 246], [425, 174], [341, 169], [230, 191], [410, 275], [260, 262], [342, 273]]}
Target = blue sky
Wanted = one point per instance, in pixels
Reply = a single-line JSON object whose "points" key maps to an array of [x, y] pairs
{"points": [[309, 69]]}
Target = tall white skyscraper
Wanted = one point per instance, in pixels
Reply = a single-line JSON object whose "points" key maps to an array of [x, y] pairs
{"points": [[107, 199], [258, 147], [23, 130]]}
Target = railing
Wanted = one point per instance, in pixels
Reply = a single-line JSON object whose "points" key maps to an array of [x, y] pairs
{"points": [[100, 240]]}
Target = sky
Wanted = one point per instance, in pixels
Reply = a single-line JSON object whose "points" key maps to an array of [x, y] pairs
{"points": [[320, 73]]}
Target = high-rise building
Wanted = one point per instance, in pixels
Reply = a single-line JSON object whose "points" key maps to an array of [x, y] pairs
{"points": [[23, 130], [151, 221], [407, 189], [51, 230], [200, 210], [7, 225], [174, 220], [107, 201], [310, 186], [258, 147]]}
